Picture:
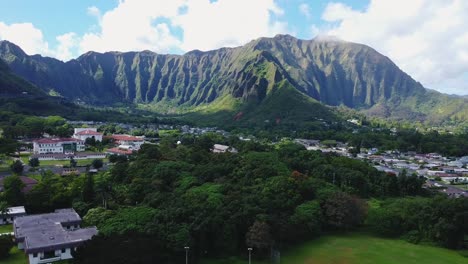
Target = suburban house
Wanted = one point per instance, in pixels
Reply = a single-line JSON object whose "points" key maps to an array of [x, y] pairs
{"points": [[128, 142], [85, 133], [51, 237], [218, 148], [58, 145], [29, 183], [11, 214]]}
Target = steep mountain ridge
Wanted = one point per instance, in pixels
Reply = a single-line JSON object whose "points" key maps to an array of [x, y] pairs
{"points": [[330, 71]]}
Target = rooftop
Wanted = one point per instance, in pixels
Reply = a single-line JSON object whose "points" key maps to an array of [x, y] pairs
{"points": [[88, 132], [17, 210], [45, 232], [120, 151], [56, 140], [127, 138]]}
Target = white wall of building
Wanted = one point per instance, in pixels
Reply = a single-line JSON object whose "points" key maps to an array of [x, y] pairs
{"points": [[60, 254], [56, 147]]}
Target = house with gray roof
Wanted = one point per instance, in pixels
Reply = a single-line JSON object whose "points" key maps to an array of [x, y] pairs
{"points": [[11, 214], [51, 237]]}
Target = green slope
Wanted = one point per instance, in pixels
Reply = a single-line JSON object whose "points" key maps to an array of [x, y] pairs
{"points": [[283, 105]]}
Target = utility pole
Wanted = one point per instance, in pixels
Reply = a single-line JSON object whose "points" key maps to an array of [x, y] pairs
{"points": [[186, 254], [250, 255]]}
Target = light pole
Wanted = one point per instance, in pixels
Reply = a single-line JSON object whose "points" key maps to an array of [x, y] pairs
{"points": [[250, 255], [186, 254]]}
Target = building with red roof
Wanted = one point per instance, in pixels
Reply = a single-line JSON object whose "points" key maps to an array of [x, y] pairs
{"points": [[85, 133], [128, 142]]}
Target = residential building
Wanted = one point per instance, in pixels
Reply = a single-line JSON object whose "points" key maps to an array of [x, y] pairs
{"points": [[58, 145], [85, 133], [128, 142], [11, 214], [218, 148], [47, 238]]}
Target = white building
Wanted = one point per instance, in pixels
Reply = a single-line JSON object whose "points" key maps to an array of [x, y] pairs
{"points": [[58, 145], [85, 133], [47, 238], [218, 148], [128, 142], [11, 214]]}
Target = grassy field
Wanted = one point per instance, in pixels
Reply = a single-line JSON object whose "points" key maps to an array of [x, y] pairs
{"points": [[79, 162], [6, 229], [360, 249]]}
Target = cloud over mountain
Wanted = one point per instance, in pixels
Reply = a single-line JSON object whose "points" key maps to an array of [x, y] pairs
{"points": [[426, 38]]}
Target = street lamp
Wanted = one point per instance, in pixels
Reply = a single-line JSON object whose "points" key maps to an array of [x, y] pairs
{"points": [[186, 254], [250, 254]]}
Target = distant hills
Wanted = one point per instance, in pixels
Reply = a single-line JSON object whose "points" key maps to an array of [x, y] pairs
{"points": [[273, 78]]}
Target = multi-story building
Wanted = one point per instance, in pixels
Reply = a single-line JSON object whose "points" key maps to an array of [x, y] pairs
{"points": [[58, 145], [85, 133], [47, 238]]}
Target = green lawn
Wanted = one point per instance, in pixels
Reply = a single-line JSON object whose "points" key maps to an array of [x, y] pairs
{"points": [[80, 162], [16, 257], [6, 229], [361, 249]]}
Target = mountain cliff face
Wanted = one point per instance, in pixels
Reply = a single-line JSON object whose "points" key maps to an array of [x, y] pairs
{"points": [[332, 72]]}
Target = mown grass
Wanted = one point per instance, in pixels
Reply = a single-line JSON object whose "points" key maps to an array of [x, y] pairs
{"points": [[360, 249], [6, 229]]}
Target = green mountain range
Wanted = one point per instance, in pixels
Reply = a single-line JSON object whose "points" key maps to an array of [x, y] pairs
{"points": [[275, 78]]}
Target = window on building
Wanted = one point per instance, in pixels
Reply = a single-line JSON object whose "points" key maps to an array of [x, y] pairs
{"points": [[35, 255], [63, 250], [49, 254]]}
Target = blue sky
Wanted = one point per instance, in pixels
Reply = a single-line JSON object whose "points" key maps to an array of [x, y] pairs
{"points": [[426, 38]]}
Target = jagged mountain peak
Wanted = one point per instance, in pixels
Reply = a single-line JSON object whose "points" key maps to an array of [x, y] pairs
{"points": [[329, 70]]}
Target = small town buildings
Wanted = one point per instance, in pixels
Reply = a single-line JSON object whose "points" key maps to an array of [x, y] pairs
{"points": [[85, 133], [218, 148], [11, 214], [58, 145], [51, 237], [128, 142]]}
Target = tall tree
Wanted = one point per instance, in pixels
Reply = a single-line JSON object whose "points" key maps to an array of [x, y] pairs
{"points": [[13, 193], [34, 162], [17, 167], [259, 236], [88, 189]]}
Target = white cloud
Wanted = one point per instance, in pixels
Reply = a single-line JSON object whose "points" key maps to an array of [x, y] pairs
{"points": [[426, 38], [67, 44], [131, 27], [31, 40], [208, 25], [94, 11], [28, 37], [204, 24], [305, 10]]}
